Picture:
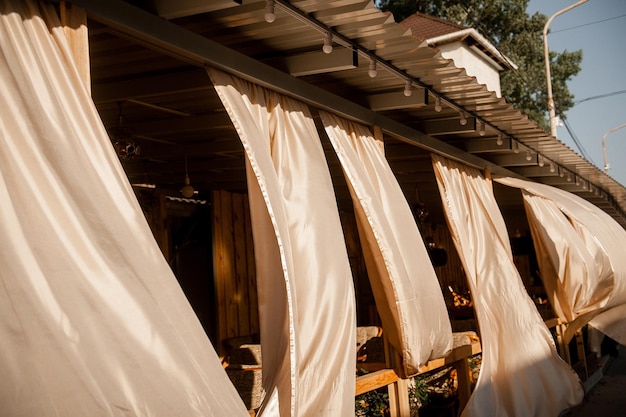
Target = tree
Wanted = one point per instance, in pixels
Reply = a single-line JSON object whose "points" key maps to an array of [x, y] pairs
{"points": [[516, 35]]}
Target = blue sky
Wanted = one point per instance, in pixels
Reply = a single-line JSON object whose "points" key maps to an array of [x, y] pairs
{"points": [[598, 27]]}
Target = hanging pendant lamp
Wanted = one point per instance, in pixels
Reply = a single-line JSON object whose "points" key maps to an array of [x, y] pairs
{"points": [[187, 191]]}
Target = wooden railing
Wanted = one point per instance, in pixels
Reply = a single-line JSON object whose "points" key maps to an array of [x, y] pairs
{"points": [[458, 358], [398, 387], [590, 374]]}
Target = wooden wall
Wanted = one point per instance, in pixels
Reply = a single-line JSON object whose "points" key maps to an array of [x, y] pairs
{"points": [[234, 278], [234, 267], [234, 302], [452, 273], [366, 306]]}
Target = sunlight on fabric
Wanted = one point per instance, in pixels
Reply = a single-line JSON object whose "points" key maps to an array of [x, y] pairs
{"points": [[580, 251], [406, 289], [521, 372], [92, 319], [307, 308]]}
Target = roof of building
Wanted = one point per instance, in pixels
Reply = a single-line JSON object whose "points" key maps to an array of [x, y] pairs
{"points": [[425, 27], [157, 71], [434, 32]]}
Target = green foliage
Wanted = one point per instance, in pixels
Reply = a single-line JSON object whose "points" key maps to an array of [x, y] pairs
{"points": [[418, 396], [517, 35], [372, 404]]}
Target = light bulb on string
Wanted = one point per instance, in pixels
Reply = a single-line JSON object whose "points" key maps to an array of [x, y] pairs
{"points": [[462, 118], [270, 15], [438, 106], [407, 88], [187, 191], [372, 71], [328, 43]]}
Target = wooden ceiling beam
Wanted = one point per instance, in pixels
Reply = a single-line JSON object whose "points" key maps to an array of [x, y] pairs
{"points": [[176, 82]]}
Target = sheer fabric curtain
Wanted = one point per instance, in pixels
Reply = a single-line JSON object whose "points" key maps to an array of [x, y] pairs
{"points": [[406, 289], [521, 372], [583, 254], [306, 296], [92, 320]]}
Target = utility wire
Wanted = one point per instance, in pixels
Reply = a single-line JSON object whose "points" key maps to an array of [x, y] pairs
{"points": [[579, 145], [614, 93], [588, 24]]}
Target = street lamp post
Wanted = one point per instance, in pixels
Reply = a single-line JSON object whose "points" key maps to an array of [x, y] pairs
{"points": [[551, 109], [607, 133]]}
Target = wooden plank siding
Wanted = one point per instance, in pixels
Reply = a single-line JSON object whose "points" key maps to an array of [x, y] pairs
{"points": [[234, 272], [234, 267], [452, 273]]}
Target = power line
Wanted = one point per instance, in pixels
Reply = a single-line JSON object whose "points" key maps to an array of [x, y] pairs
{"points": [[588, 24], [614, 93], [579, 145]]}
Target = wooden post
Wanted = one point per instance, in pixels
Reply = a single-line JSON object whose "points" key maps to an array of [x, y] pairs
{"points": [[563, 347], [378, 135], [399, 399], [464, 384], [397, 390], [582, 355], [163, 235], [489, 179], [74, 21]]}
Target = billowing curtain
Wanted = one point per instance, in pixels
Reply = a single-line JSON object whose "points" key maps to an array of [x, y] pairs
{"points": [[92, 320], [406, 289], [521, 373], [581, 256], [306, 296]]}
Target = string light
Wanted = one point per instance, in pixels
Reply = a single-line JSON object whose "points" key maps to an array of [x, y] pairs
{"points": [[328, 43], [330, 37], [407, 88], [187, 190], [463, 118], [270, 6], [529, 155], [372, 72], [270, 16], [438, 104]]}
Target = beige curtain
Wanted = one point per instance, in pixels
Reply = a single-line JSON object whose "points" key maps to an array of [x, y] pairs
{"points": [[406, 289], [306, 297], [581, 256], [521, 373], [92, 321]]}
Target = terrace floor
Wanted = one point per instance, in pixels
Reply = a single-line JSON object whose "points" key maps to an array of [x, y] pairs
{"points": [[608, 397]]}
